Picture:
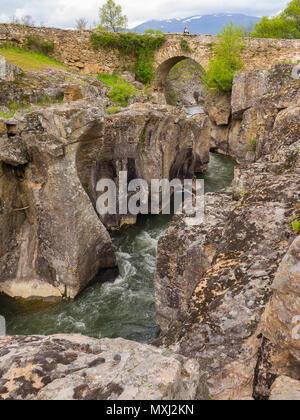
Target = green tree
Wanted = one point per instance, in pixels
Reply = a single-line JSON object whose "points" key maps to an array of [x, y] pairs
{"points": [[293, 12], [226, 59], [111, 17], [286, 25]]}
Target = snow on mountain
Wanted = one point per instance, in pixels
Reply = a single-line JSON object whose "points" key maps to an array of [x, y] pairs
{"points": [[198, 24]]}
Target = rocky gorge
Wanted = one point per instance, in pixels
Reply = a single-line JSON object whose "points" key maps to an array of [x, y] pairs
{"points": [[227, 291]]}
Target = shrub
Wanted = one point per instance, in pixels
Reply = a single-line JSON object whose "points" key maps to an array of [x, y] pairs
{"points": [[140, 47], [296, 227], [185, 45], [277, 27], [37, 44], [112, 110], [226, 59], [252, 144], [122, 92], [13, 108], [144, 67], [46, 100], [108, 79], [9, 115], [153, 31]]}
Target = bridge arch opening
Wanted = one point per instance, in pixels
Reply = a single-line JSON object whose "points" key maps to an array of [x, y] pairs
{"points": [[180, 78]]}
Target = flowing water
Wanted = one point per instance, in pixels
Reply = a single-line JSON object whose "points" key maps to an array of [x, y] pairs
{"points": [[123, 306], [193, 110]]}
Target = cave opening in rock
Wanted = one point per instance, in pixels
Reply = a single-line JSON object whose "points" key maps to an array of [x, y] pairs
{"points": [[181, 80], [186, 164]]}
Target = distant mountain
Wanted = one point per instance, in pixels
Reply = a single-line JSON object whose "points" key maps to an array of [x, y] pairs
{"points": [[206, 24]]}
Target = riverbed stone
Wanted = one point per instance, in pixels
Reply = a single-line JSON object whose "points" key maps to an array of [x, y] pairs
{"points": [[66, 367]]}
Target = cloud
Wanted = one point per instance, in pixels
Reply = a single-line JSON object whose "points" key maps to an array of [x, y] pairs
{"points": [[63, 13], [4, 18]]}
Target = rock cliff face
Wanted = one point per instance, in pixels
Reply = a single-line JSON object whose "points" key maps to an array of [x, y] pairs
{"points": [[80, 368], [258, 99], [213, 281], [52, 154], [59, 244]]}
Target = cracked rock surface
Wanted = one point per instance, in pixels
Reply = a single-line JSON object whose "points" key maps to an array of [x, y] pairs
{"points": [[66, 367]]}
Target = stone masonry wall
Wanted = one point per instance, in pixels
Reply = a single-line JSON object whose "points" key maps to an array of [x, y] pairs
{"points": [[73, 48]]}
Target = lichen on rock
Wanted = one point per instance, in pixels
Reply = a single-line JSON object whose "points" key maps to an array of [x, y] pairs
{"points": [[66, 367]]}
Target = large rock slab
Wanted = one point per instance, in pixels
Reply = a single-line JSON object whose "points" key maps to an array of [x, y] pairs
{"points": [[8, 71], [183, 257], [247, 89], [259, 126], [250, 87], [285, 389], [66, 367], [218, 107], [62, 244], [282, 316], [148, 142]]}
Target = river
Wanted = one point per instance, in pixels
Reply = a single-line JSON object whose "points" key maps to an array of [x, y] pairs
{"points": [[124, 305]]}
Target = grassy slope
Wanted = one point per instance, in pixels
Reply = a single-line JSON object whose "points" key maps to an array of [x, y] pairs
{"points": [[108, 79], [28, 60]]}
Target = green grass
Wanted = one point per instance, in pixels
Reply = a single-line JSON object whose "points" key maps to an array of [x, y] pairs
{"points": [[28, 60], [112, 110], [48, 101], [109, 79], [10, 115], [296, 226], [252, 144], [13, 107]]}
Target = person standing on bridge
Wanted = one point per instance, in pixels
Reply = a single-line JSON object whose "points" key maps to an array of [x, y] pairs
{"points": [[186, 32]]}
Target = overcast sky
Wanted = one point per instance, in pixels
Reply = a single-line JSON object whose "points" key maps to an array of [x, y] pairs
{"points": [[63, 13]]}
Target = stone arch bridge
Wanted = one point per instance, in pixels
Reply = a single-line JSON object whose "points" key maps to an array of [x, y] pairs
{"points": [[73, 48]]}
